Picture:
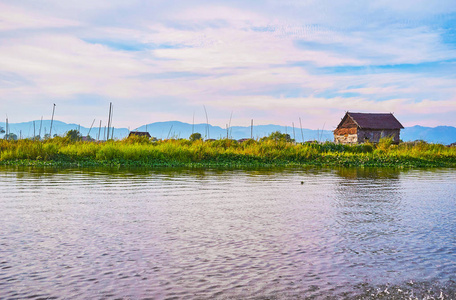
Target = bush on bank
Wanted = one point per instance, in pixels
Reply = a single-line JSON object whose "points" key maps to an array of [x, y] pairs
{"points": [[141, 151]]}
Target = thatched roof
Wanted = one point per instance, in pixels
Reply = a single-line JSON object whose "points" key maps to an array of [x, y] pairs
{"points": [[373, 121], [139, 133]]}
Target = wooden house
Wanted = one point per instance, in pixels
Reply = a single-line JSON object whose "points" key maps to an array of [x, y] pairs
{"points": [[139, 133], [363, 127]]}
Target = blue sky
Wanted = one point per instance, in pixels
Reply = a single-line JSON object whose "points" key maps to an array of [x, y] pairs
{"points": [[271, 61]]}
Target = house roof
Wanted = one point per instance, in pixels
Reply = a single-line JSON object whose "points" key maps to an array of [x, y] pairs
{"points": [[374, 121], [139, 133]]}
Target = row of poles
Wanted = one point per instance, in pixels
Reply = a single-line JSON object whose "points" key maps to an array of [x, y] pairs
{"points": [[110, 127], [109, 134], [228, 127]]}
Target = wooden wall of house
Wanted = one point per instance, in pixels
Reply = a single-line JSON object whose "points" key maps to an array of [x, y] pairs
{"points": [[346, 138], [354, 135], [374, 136], [348, 123], [347, 132]]}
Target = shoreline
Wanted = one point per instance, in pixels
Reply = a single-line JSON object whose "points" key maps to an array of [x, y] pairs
{"points": [[144, 153], [380, 163]]}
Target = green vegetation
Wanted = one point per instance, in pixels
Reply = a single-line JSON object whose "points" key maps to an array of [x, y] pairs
{"points": [[277, 137], [73, 135], [195, 136], [276, 150], [10, 136]]}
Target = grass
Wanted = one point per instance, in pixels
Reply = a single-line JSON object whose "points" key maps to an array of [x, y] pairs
{"points": [[142, 152]]}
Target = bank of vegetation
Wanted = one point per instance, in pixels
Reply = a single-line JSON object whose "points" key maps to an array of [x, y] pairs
{"points": [[276, 150]]}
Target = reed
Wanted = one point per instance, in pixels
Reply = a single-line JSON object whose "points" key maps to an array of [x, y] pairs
{"points": [[141, 151]]}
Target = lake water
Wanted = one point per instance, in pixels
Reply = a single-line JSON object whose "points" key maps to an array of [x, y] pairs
{"points": [[236, 234]]}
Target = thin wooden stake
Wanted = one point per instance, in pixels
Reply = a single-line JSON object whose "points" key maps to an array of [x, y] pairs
{"points": [[229, 124], [294, 135], [300, 124], [169, 132], [109, 119], [193, 122], [99, 130], [251, 129], [88, 134], [52, 121], [207, 123], [41, 124]]}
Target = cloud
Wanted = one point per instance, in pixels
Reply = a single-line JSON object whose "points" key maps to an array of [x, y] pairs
{"points": [[13, 18], [271, 60]]}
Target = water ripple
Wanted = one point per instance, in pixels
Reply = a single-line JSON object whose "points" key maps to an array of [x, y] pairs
{"points": [[208, 234]]}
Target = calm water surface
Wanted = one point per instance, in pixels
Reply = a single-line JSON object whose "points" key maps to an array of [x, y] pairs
{"points": [[204, 234]]}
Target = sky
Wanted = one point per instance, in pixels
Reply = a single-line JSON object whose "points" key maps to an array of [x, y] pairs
{"points": [[275, 62]]}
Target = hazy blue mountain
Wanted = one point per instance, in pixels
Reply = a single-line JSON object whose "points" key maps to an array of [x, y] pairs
{"points": [[27, 129], [174, 129], [440, 134]]}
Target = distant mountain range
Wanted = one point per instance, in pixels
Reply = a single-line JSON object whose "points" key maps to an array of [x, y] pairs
{"points": [[174, 129]]}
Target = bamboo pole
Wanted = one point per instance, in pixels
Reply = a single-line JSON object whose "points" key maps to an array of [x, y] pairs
{"points": [[294, 135], [41, 124], [193, 123], [251, 129], [229, 124], [52, 121], [207, 123], [300, 124], [112, 126], [88, 134], [99, 131], [169, 132], [109, 119], [6, 134]]}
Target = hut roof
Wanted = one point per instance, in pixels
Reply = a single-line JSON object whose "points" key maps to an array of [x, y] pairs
{"points": [[139, 133], [374, 121]]}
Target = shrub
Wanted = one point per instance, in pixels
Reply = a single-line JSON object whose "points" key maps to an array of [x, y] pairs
{"points": [[195, 136]]}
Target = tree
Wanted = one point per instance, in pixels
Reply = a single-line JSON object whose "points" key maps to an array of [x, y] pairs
{"points": [[278, 137], [195, 136], [73, 135], [90, 139], [11, 136]]}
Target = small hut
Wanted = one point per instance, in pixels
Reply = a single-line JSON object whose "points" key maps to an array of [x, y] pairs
{"points": [[139, 133], [363, 127]]}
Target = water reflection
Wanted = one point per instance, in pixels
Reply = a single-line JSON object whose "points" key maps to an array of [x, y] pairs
{"points": [[368, 173], [274, 233]]}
